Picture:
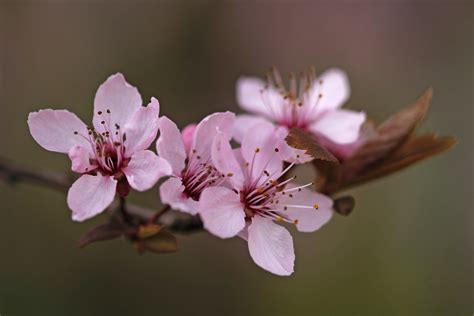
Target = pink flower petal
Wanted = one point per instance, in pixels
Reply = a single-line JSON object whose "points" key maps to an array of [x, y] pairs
{"points": [[334, 91], [339, 126], [258, 150], [291, 154], [142, 128], [55, 130], [271, 246], [170, 145], [172, 193], [253, 97], [225, 161], [145, 169], [90, 195], [244, 123], [118, 96], [208, 128], [188, 136], [244, 233], [80, 158], [221, 212], [308, 220]]}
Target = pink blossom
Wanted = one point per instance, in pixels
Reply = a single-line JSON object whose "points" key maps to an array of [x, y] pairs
{"points": [[114, 150], [189, 154], [313, 105], [256, 195]]}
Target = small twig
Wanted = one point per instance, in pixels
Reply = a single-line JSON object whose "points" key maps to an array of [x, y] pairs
{"points": [[158, 214], [123, 210], [14, 174], [175, 221]]}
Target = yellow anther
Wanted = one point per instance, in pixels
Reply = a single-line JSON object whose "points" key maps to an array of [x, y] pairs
{"points": [[316, 206], [257, 150], [230, 174]]}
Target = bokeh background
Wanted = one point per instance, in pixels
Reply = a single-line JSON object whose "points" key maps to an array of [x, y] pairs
{"points": [[407, 248]]}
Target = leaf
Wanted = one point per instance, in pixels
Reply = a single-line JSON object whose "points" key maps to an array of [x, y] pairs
{"points": [[344, 205], [413, 150], [299, 139], [162, 242], [390, 134], [107, 231], [148, 230]]}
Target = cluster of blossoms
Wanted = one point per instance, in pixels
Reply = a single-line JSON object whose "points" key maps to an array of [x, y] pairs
{"points": [[245, 191]]}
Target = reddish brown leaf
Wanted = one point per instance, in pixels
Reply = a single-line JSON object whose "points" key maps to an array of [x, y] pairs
{"points": [[299, 139], [148, 230], [107, 231], [390, 134], [344, 205], [413, 150], [161, 242]]}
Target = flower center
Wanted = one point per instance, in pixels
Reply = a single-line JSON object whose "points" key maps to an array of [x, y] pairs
{"points": [[292, 107], [271, 199], [198, 175], [108, 147]]}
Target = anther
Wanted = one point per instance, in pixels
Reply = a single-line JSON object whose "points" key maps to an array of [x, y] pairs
{"points": [[76, 132], [316, 206], [257, 150], [230, 174], [102, 122], [100, 112], [296, 222], [108, 111], [277, 150]]}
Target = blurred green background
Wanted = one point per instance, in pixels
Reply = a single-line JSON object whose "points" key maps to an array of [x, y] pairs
{"points": [[407, 248]]}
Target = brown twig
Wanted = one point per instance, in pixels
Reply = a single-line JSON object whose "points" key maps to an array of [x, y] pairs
{"points": [[158, 214], [14, 174], [175, 221]]}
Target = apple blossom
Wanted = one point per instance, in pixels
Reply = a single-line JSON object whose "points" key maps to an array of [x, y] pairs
{"points": [[313, 105], [256, 195], [189, 154], [113, 151]]}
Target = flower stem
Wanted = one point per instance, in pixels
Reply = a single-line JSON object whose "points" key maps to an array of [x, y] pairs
{"points": [[123, 210], [158, 214]]}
